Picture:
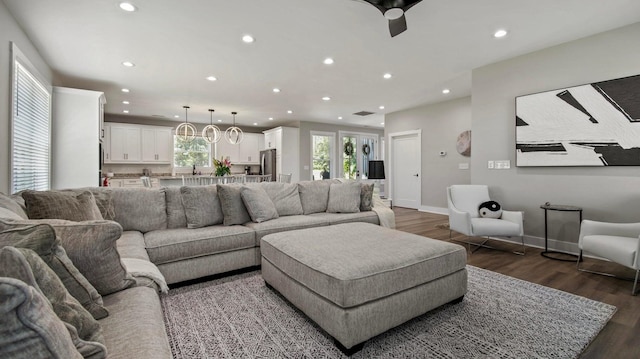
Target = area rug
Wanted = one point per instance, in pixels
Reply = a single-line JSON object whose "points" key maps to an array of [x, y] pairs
{"points": [[500, 317]]}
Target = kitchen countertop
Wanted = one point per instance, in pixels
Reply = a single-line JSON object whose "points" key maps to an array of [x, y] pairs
{"points": [[166, 176]]}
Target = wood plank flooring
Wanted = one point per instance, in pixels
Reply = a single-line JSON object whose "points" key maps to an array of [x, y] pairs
{"points": [[620, 338]]}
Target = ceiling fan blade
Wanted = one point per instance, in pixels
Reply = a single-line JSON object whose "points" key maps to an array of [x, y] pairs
{"points": [[397, 26]]}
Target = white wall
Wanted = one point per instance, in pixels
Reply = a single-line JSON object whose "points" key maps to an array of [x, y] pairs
{"points": [[610, 194], [10, 31], [441, 124]]}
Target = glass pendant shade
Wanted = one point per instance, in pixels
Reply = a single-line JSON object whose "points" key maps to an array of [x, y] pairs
{"points": [[211, 133], [186, 131], [234, 134]]}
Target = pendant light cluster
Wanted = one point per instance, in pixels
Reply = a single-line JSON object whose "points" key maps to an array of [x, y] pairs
{"points": [[211, 133]]}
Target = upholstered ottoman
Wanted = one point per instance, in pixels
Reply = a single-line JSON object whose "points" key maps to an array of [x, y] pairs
{"points": [[358, 280]]}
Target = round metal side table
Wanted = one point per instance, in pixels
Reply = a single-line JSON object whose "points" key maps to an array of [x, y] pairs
{"points": [[547, 252]]}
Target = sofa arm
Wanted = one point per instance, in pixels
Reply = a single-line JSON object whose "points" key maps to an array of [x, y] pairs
{"points": [[460, 221], [514, 217]]}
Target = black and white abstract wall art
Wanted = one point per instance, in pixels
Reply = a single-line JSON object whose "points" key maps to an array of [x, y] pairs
{"points": [[590, 125]]}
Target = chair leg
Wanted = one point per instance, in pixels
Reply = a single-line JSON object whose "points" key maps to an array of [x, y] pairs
{"points": [[484, 244], [579, 260], [635, 283]]}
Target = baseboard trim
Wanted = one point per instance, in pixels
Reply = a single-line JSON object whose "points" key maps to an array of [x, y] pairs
{"points": [[436, 210]]}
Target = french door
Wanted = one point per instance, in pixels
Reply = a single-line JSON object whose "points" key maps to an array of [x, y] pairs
{"points": [[357, 149]]}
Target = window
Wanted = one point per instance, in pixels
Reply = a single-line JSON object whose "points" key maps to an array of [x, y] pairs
{"points": [[322, 155], [189, 153], [357, 150], [30, 127]]}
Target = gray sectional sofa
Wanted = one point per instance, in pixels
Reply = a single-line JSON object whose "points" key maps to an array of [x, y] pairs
{"points": [[174, 234]]}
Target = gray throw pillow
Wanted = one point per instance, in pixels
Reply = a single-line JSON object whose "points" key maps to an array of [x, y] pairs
{"points": [[366, 197], [67, 205], [25, 265], [284, 196], [10, 204], [233, 208], [28, 326], [314, 196], [201, 206], [140, 209], [41, 238], [258, 204], [104, 200], [176, 217], [344, 197]]}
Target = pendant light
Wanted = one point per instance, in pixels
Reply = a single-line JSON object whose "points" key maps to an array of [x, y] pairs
{"points": [[234, 134], [186, 131], [211, 133]]}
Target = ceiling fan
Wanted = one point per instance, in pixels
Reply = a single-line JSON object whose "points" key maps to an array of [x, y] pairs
{"points": [[393, 10]]}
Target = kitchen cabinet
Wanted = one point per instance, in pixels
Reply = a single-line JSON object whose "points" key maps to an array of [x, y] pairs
{"points": [[156, 145], [76, 118], [125, 146], [226, 150], [245, 153], [286, 141], [131, 182]]}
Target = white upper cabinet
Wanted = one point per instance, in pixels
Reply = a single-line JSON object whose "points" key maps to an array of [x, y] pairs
{"points": [[286, 141], [245, 153], [128, 143], [125, 143], [269, 140], [156, 145]]}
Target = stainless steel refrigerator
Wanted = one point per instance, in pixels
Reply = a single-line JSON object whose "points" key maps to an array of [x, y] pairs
{"points": [[268, 164]]}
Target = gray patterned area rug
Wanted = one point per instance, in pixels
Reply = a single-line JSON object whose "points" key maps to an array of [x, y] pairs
{"points": [[500, 317]]}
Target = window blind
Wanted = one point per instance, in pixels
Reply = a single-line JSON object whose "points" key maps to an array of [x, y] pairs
{"points": [[31, 132]]}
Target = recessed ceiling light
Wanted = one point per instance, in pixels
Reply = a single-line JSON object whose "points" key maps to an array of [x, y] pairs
{"points": [[128, 6], [340, 118], [248, 39], [446, 91], [176, 116], [125, 102], [276, 90], [126, 111], [255, 124], [289, 112], [219, 120], [212, 78], [326, 98], [125, 90], [328, 61], [382, 123], [500, 33], [381, 107], [270, 118], [387, 76], [128, 64]]}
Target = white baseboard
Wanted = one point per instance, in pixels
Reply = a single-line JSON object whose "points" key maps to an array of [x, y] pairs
{"points": [[538, 242], [436, 210]]}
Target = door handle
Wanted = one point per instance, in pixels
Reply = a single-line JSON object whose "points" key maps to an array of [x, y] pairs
{"points": [[415, 175]]}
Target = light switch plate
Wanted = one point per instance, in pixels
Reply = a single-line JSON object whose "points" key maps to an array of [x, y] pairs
{"points": [[463, 166], [490, 164], [503, 165]]}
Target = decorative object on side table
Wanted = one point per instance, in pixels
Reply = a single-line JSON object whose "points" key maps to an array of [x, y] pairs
{"points": [[223, 167], [563, 208], [376, 173]]}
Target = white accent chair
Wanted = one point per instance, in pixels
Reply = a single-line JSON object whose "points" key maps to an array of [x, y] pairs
{"points": [[146, 181], [284, 177], [463, 202], [617, 242]]}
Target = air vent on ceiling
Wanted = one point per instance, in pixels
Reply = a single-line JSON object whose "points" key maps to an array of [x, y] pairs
{"points": [[363, 113]]}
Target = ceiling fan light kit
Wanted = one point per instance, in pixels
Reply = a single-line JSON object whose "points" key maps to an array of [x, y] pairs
{"points": [[186, 131], [394, 10], [234, 134]]}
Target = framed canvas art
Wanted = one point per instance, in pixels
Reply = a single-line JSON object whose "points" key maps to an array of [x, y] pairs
{"points": [[597, 124]]}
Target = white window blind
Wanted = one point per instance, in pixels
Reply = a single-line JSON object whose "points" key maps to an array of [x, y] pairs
{"points": [[31, 131]]}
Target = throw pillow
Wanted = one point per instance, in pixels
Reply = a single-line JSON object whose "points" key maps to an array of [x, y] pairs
{"points": [[140, 210], [285, 197], [104, 200], [176, 217], [233, 208], [10, 215], [61, 205], [28, 326], [25, 265], [490, 209], [10, 204], [344, 197], [314, 196], [201, 206], [366, 197], [258, 204], [41, 238]]}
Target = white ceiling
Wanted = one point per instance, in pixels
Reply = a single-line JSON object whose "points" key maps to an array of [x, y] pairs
{"points": [[176, 44]]}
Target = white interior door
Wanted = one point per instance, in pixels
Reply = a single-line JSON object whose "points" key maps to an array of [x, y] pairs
{"points": [[405, 170]]}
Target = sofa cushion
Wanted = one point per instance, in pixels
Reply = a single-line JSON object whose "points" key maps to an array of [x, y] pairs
{"points": [[9, 215], [41, 238], [91, 245], [286, 223], [135, 327], [344, 197], [104, 200], [232, 206], [258, 204], [285, 197], [66, 205], [176, 217], [28, 326], [181, 243], [140, 209], [25, 265], [366, 197], [337, 218], [9, 203], [314, 196], [201, 206], [131, 245]]}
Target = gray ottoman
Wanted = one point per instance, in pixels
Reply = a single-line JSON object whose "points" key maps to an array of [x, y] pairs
{"points": [[357, 280]]}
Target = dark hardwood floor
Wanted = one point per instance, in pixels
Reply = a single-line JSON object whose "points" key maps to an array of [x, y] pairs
{"points": [[621, 336]]}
